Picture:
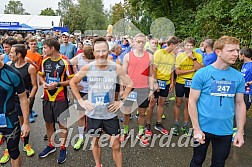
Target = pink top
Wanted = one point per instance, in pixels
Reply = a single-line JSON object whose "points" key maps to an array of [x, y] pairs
{"points": [[138, 70]]}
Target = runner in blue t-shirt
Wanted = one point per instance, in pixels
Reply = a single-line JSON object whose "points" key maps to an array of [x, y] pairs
{"points": [[245, 56], [216, 95], [209, 55]]}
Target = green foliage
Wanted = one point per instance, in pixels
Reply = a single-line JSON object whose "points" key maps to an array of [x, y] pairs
{"points": [[14, 7], [117, 13], [84, 15], [48, 12]]}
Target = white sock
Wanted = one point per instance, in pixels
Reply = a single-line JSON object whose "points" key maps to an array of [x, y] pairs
{"points": [[81, 132]]}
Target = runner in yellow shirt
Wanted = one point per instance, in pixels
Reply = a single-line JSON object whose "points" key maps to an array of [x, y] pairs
{"points": [[187, 63]]}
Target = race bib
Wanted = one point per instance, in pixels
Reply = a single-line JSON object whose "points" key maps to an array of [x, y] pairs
{"points": [[3, 123], [100, 98], [132, 96], [188, 83], [52, 79], [161, 84], [223, 88]]}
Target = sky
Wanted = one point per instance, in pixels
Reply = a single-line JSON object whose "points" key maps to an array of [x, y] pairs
{"points": [[35, 6]]}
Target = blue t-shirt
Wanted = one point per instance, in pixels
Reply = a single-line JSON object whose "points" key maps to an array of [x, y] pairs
{"points": [[247, 73], [68, 50], [114, 56], [209, 58], [6, 59], [216, 113], [198, 50], [125, 49]]}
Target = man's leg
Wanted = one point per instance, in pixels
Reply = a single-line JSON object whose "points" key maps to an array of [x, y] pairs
{"points": [[160, 108], [177, 106], [141, 119], [50, 131], [221, 147], [16, 162], [116, 149], [150, 110], [199, 152], [96, 151]]}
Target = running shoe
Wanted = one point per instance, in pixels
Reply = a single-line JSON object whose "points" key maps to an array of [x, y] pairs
{"points": [[185, 130], [78, 144], [29, 151], [124, 137], [172, 98], [35, 114], [31, 118], [161, 129], [142, 139], [148, 131], [62, 156], [48, 150], [5, 157], [175, 130]]}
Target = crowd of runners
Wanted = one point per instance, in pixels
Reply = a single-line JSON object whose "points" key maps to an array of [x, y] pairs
{"points": [[109, 75]]}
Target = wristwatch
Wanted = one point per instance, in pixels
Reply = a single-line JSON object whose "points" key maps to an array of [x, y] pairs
{"points": [[58, 85], [194, 59]]}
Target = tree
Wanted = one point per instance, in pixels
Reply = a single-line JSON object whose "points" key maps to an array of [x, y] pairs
{"points": [[48, 12], [14, 7], [85, 15], [117, 12]]}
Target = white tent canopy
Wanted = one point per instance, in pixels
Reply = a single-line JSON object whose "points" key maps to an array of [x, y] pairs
{"points": [[35, 21]]}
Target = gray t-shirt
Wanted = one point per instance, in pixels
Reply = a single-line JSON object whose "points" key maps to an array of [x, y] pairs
{"points": [[101, 90]]}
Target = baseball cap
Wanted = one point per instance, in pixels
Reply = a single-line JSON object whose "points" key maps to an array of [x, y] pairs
{"points": [[65, 33], [87, 42]]}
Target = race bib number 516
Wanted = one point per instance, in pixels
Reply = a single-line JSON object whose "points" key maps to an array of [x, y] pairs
{"points": [[223, 88]]}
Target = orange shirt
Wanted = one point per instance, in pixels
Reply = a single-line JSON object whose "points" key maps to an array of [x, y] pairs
{"points": [[35, 57]]}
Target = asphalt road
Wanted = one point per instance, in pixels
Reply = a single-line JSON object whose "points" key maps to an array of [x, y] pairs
{"points": [[162, 152]]}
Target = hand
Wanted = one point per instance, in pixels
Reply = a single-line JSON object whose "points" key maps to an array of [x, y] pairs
{"points": [[86, 104], [52, 86], [25, 129], [171, 87], [199, 136], [238, 139], [45, 85], [115, 106], [80, 87]]}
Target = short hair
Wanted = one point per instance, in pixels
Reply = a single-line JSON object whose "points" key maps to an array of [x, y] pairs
{"points": [[139, 35], [51, 42], [190, 40], [247, 52], [172, 40], [209, 42], [20, 48], [222, 41], [88, 52], [100, 39], [10, 41], [115, 47], [32, 40]]}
